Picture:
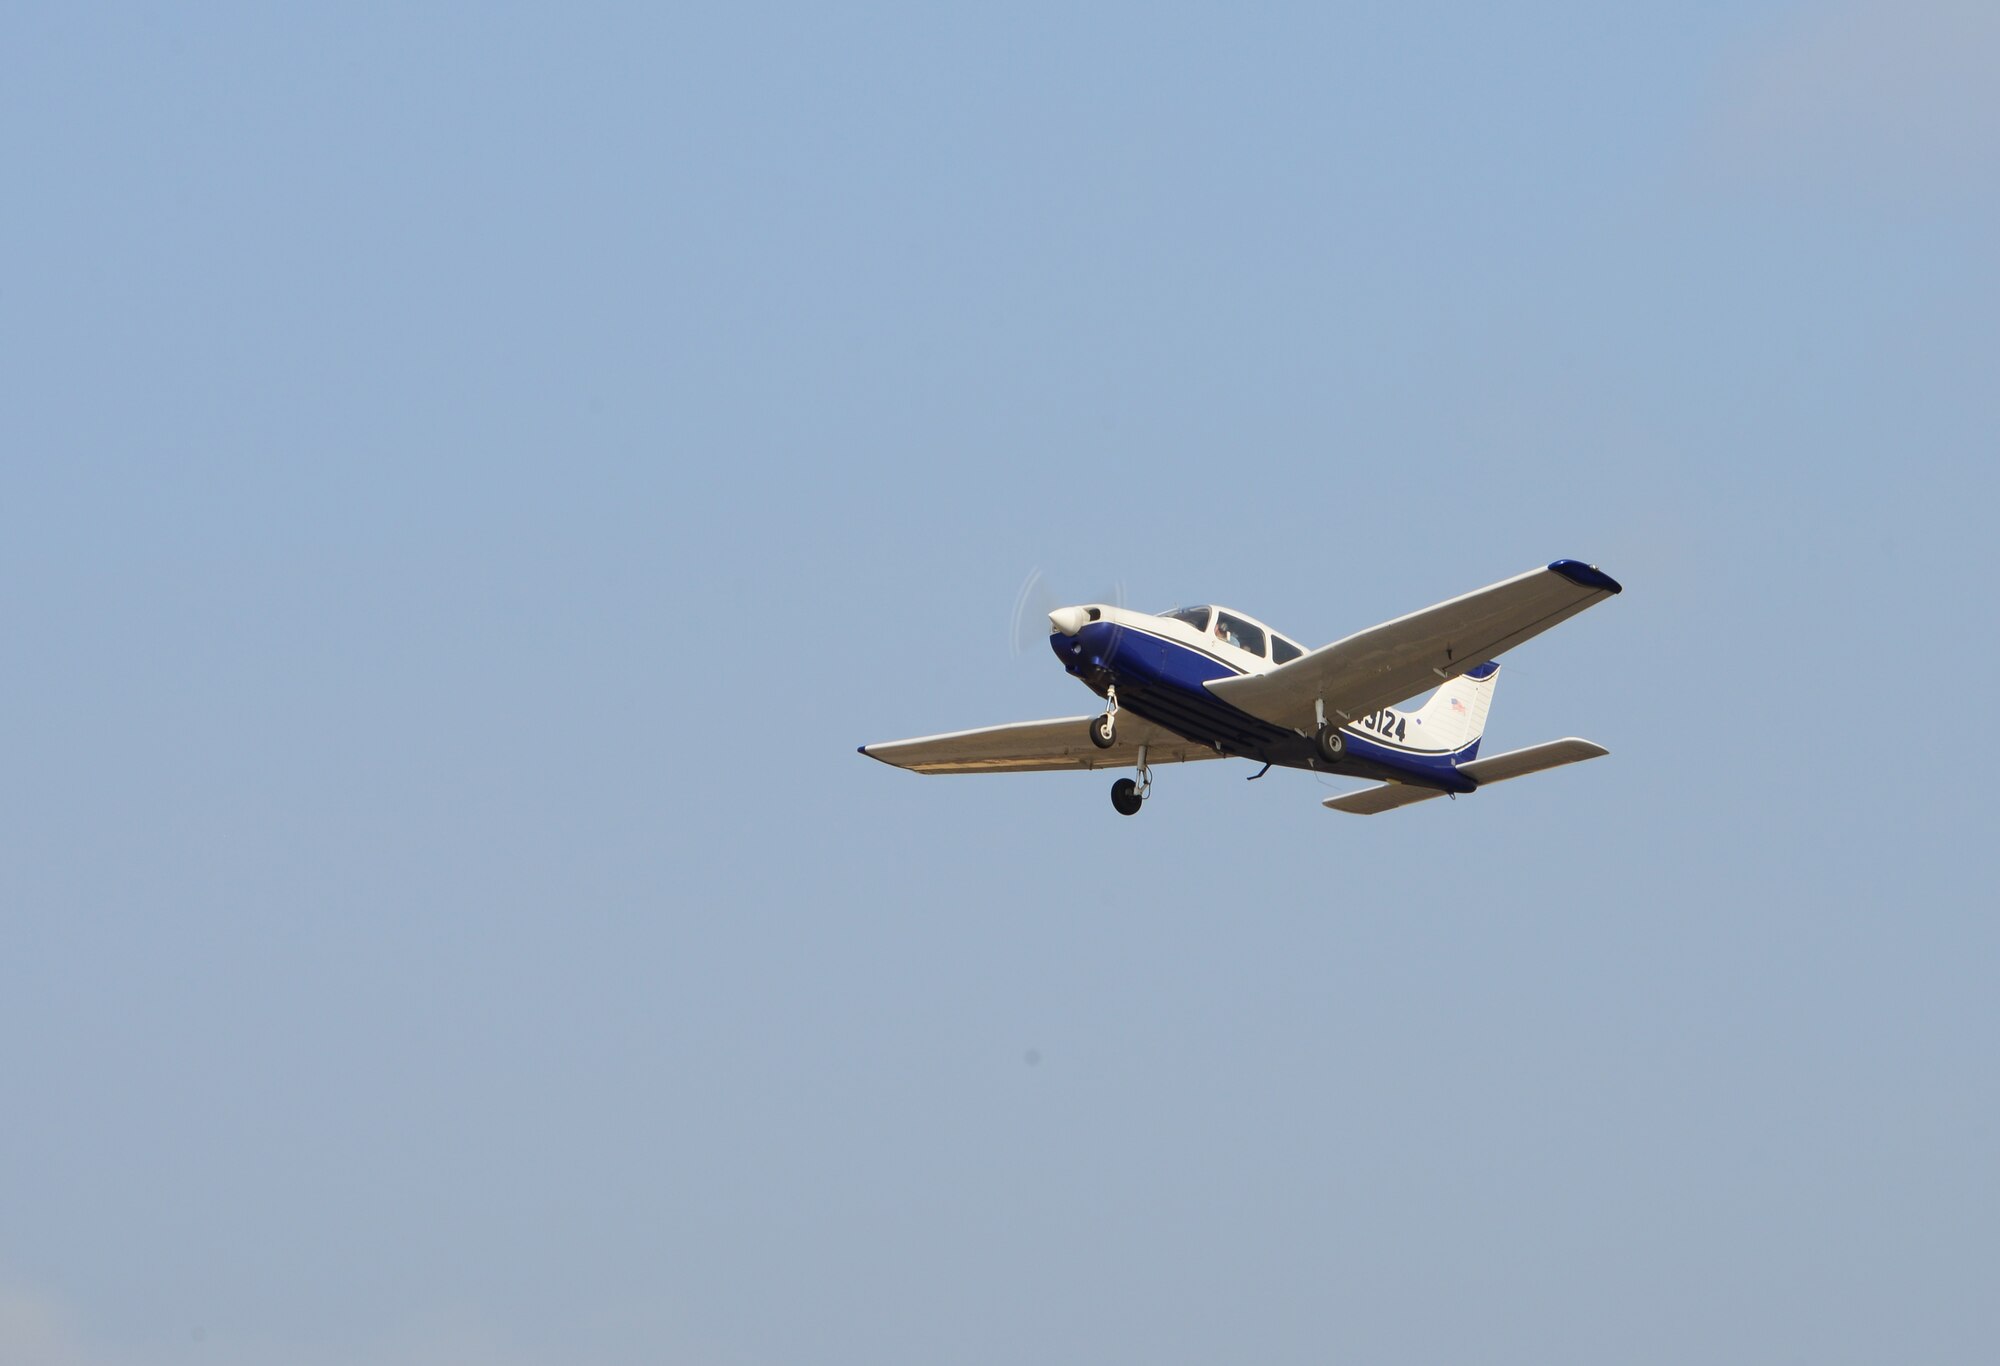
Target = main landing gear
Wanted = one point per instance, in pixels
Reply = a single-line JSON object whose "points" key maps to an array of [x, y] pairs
{"points": [[1128, 796], [1328, 740]]}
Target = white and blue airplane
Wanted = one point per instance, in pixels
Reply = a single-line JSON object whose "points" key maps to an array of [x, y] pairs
{"points": [[1210, 683]]}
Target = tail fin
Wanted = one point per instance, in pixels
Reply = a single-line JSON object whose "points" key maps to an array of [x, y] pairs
{"points": [[1454, 717]]}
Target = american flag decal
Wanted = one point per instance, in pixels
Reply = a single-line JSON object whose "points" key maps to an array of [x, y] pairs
{"points": [[1458, 706]]}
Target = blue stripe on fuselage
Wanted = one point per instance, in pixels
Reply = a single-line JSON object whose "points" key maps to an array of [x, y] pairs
{"points": [[1433, 770], [1144, 656], [1161, 680]]}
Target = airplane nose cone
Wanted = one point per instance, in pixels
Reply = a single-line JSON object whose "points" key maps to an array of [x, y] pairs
{"points": [[1068, 620]]}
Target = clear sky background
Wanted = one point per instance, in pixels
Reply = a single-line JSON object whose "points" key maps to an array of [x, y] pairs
{"points": [[470, 476]]}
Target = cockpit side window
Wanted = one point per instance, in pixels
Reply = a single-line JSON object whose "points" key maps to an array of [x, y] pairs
{"points": [[1239, 633], [1282, 650], [1196, 617]]}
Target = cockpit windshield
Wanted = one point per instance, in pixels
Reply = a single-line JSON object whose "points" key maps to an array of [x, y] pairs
{"points": [[1242, 634], [1231, 629]]}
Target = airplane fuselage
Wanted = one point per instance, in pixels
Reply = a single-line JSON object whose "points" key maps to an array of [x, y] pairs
{"points": [[1160, 666]]}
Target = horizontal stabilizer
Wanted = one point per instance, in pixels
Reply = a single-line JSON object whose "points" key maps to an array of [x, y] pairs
{"points": [[1371, 801], [1517, 763]]}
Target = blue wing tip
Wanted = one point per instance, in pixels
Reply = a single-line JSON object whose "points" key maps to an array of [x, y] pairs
{"points": [[1587, 576]]}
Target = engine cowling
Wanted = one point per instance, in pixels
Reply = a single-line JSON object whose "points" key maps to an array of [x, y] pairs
{"points": [[1069, 620]]}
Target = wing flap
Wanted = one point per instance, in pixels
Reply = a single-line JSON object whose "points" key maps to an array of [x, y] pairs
{"points": [[1038, 747], [1387, 664]]}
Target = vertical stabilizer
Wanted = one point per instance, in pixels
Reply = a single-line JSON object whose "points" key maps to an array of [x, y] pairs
{"points": [[1454, 717]]}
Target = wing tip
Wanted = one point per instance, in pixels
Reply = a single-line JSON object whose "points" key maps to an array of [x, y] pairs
{"points": [[1587, 576]]}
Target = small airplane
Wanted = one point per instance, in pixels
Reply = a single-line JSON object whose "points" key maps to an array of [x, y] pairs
{"points": [[1209, 683]]}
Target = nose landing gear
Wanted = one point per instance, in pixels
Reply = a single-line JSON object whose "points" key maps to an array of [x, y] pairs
{"points": [[1104, 730]]}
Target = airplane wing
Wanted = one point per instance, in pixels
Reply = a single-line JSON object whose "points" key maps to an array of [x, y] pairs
{"points": [[1519, 763], [1038, 747], [1386, 664]]}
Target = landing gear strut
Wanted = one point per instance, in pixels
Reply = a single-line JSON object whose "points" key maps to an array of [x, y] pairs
{"points": [[1104, 730], [1128, 796], [1328, 740]]}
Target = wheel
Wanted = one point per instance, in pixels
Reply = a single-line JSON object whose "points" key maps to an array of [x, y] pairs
{"points": [[1104, 731], [1125, 796], [1331, 744]]}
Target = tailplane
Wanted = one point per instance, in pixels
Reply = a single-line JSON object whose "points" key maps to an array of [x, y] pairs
{"points": [[1517, 763]]}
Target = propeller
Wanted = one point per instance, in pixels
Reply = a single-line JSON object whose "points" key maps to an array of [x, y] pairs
{"points": [[1029, 628]]}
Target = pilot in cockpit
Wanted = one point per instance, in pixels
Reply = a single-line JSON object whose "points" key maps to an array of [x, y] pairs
{"points": [[1223, 633]]}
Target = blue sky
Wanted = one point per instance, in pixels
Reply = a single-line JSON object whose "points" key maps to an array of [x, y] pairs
{"points": [[471, 477]]}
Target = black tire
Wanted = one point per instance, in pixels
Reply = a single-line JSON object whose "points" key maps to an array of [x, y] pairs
{"points": [[1332, 745], [1125, 796], [1104, 731]]}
